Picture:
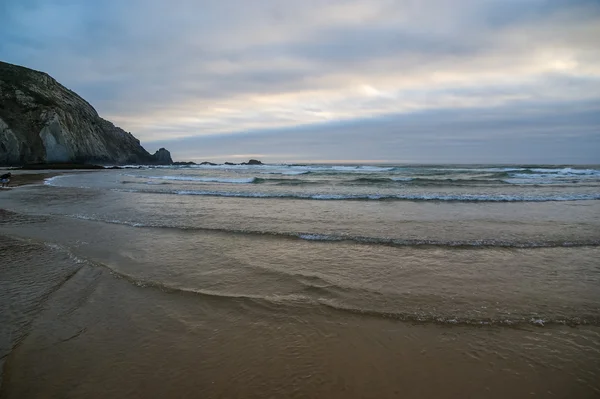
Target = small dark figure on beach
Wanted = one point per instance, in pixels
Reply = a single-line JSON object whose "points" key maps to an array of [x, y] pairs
{"points": [[5, 179]]}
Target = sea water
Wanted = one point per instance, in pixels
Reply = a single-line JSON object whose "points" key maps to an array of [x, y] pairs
{"points": [[318, 279]]}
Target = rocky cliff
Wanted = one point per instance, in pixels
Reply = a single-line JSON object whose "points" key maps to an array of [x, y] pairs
{"points": [[42, 121]]}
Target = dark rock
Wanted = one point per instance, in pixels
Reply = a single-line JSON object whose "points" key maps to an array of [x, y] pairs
{"points": [[230, 163], [252, 162], [66, 166], [208, 163], [162, 157], [184, 163], [42, 121]]}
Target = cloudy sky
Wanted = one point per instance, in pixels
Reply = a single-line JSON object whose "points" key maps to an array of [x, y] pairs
{"points": [[461, 81]]}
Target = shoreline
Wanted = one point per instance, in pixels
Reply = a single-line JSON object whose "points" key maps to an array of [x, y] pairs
{"points": [[29, 177], [21, 178]]}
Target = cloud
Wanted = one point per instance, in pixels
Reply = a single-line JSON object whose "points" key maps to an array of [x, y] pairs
{"points": [[166, 70], [534, 133]]}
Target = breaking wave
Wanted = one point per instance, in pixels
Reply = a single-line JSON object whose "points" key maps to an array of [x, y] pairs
{"points": [[198, 179], [381, 197]]}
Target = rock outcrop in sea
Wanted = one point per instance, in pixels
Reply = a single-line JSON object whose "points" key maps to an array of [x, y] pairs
{"points": [[41, 121], [162, 157], [252, 162]]}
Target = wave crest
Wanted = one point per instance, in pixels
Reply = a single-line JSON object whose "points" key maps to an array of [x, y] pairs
{"points": [[381, 197]]}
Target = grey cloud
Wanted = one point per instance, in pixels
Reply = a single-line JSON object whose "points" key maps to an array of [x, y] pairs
{"points": [[506, 13], [162, 41], [542, 133]]}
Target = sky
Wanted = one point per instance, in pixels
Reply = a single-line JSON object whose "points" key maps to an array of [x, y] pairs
{"points": [[413, 81]]}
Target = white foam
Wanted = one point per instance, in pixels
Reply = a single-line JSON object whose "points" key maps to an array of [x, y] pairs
{"points": [[567, 171], [226, 194], [319, 237], [409, 197], [375, 168], [84, 217], [555, 175], [114, 221], [531, 181], [478, 169], [57, 247], [197, 179], [537, 322], [50, 181]]}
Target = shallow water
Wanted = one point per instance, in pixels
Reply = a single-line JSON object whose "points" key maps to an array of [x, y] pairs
{"points": [[290, 296]]}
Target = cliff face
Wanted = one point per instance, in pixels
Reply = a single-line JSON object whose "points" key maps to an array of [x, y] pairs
{"points": [[42, 121]]}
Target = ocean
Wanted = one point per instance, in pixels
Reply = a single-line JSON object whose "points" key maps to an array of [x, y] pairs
{"points": [[303, 281]]}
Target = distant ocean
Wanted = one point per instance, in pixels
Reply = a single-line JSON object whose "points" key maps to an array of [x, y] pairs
{"points": [[292, 256], [361, 182]]}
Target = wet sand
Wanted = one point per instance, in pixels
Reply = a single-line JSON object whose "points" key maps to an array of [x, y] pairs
{"points": [[24, 177], [73, 328]]}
